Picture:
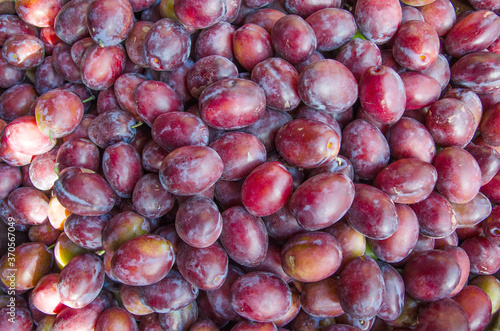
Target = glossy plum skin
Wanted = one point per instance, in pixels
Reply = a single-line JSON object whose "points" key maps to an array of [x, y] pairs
{"points": [[476, 71], [459, 175], [172, 130], [81, 130], [190, 170], [86, 231], [122, 168], [483, 255], [416, 46], [78, 152], [83, 318], [149, 197], [440, 14], [333, 27], [458, 41], [458, 130], [250, 247], [152, 156], [29, 205], [266, 189], [407, 180], [460, 255], [135, 42], [298, 249], [65, 250], [251, 45], [264, 17], [45, 296], [198, 222], [71, 21], [490, 127], [293, 39], [476, 304], [130, 266], [131, 302], [258, 208], [368, 152], [361, 297], [321, 298], [12, 25], [153, 98], [30, 141], [109, 22], [121, 228], [55, 120], [421, 90], [440, 71], [471, 213], [11, 179], [182, 318], [84, 192], [309, 202], [214, 261], [232, 103], [116, 318], [23, 51], [279, 79], [378, 20], [64, 65], [200, 14], [32, 261], [382, 94], [172, 292], [307, 143], [442, 314], [436, 216], [315, 84], [431, 275], [46, 77], [260, 296], [408, 138], [215, 40], [399, 245], [101, 66], [10, 76], [394, 294], [112, 127], [78, 49], [372, 213], [166, 45], [208, 70], [124, 87], [240, 152], [490, 225], [81, 280], [41, 171], [220, 299]]}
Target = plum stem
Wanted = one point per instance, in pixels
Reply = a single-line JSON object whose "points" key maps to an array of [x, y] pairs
{"points": [[92, 97]]}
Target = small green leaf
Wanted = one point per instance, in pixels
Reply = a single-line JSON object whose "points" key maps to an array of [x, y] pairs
{"points": [[359, 35], [369, 252]]}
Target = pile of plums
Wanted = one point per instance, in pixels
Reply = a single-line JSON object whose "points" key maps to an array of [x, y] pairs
{"points": [[250, 165]]}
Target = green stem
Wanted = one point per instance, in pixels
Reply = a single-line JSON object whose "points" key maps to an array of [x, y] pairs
{"points": [[137, 125], [89, 99]]}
